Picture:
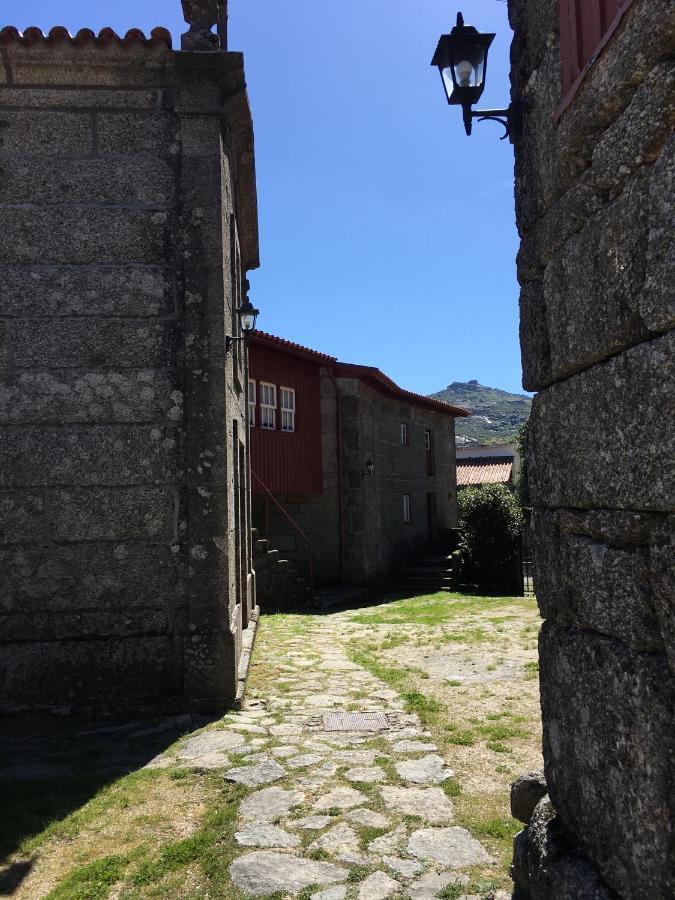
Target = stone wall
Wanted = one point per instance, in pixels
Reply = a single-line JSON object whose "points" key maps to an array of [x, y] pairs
{"points": [[594, 191], [377, 540], [124, 557]]}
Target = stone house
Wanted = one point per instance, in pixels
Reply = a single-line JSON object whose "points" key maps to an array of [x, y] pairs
{"points": [[349, 471], [127, 223], [594, 199], [487, 464]]}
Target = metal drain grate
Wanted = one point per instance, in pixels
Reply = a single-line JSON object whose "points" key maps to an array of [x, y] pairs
{"points": [[355, 722]]}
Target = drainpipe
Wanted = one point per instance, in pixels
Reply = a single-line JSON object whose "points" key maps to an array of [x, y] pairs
{"points": [[338, 429]]}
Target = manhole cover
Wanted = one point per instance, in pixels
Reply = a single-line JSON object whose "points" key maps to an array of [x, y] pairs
{"points": [[355, 722]]}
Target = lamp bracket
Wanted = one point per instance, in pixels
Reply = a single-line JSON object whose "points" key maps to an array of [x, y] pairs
{"points": [[510, 119], [229, 341]]}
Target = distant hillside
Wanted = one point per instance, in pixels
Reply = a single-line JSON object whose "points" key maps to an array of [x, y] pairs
{"points": [[496, 415]]}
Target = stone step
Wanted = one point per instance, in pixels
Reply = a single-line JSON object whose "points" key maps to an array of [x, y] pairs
{"points": [[427, 572]]}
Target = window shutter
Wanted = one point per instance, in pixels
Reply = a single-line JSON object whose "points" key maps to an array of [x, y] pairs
{"points": [[583, 25]]}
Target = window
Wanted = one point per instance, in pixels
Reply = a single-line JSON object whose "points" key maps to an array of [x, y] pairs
{"points": [[585, 27], [429, 450], [268, 406], [251, 402], [406, 507], [287, 409], [404, 435]]}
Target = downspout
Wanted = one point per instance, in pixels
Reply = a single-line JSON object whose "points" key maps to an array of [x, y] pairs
{"points": [[338, 429]]}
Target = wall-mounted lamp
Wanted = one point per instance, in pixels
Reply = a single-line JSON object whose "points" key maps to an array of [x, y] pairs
{"points": [[248, 316], [461, 58], [370, 467]]}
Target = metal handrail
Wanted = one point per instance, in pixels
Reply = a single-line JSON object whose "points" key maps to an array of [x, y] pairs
{"points": [[313, 550]]}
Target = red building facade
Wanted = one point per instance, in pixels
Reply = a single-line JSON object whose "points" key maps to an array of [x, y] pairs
{"points": [[285, 416], [349, 470]]}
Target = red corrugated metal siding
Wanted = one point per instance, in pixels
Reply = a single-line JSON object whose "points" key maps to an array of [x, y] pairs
{"points": [[583, 24], [288, 463]]}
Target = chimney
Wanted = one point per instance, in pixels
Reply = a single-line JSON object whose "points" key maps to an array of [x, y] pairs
{"points": [[202, 16]]}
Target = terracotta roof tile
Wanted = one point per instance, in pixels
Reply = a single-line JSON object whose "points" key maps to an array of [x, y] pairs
{"points": [[384, 384], [484, 470], [262, 337], [367, 373], [84, 37]]}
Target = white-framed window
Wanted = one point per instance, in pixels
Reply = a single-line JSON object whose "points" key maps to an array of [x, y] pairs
{"points": [[406, 507], [251, 402], [268, 406], [287, 409], [404, 435]]}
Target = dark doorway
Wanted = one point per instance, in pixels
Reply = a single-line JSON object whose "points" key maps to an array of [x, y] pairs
{"points": [[432, 519]]}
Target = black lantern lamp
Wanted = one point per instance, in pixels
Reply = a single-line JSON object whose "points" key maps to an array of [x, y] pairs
{"points": [[461, 57], [248, 316]]}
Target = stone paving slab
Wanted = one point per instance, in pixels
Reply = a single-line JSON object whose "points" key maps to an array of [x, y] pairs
{"points": [[334, 793], [452, 847], [265, 835], [252, 776], [265, 872]]}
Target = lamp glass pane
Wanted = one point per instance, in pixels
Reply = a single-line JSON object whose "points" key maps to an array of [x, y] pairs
{"points": [[448, 83], [247, 322]]}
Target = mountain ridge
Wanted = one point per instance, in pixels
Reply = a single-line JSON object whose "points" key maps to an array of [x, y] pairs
{"points": [[496, 415]]}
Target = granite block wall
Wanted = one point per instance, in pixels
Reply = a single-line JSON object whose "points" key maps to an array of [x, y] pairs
{"points": [[375, 539], [594, 188], [122, 422], [378, 540]]}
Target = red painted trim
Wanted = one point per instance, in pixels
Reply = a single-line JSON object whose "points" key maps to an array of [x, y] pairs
{"points": [[346, 370], [604, 40], [276, 343], [386, 386]]}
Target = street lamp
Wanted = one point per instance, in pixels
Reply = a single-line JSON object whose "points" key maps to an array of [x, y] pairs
{"points": [[248, 315], [461, 57]]}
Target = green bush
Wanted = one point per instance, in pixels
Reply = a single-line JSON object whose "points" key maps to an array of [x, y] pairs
{"points": [[523, 482], [490, 520]]}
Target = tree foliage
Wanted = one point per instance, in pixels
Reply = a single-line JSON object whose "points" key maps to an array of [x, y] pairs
{"points": [[523, 484], [490, 521]]}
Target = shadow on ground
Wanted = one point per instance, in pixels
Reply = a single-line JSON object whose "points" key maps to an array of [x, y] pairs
{"points": [[340, 599], [49, 768]]}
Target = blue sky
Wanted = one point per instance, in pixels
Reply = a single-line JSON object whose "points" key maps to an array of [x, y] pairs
{"points": [[387, 236]]}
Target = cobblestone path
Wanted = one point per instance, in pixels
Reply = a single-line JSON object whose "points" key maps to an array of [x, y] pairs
{"points": [[334, 813]]}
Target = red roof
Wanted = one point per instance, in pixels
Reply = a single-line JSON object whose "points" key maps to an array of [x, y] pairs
{"points": [[484, 470], [368, 374], [85, 36], [385, 385], [270, 340]]}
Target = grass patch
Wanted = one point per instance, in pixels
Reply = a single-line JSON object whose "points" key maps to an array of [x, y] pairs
{"points": [[453, 682], [498, 747], [531, 670], [427, 708], [452, 891], [460, 737], [500, 731], [368, 833], [433, 609], [452, 787], [393, 640], [92, 881], [391, 676]]}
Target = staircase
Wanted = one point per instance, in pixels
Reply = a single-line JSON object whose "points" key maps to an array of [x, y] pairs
{"points": [[279, 588], [427, 575]]}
